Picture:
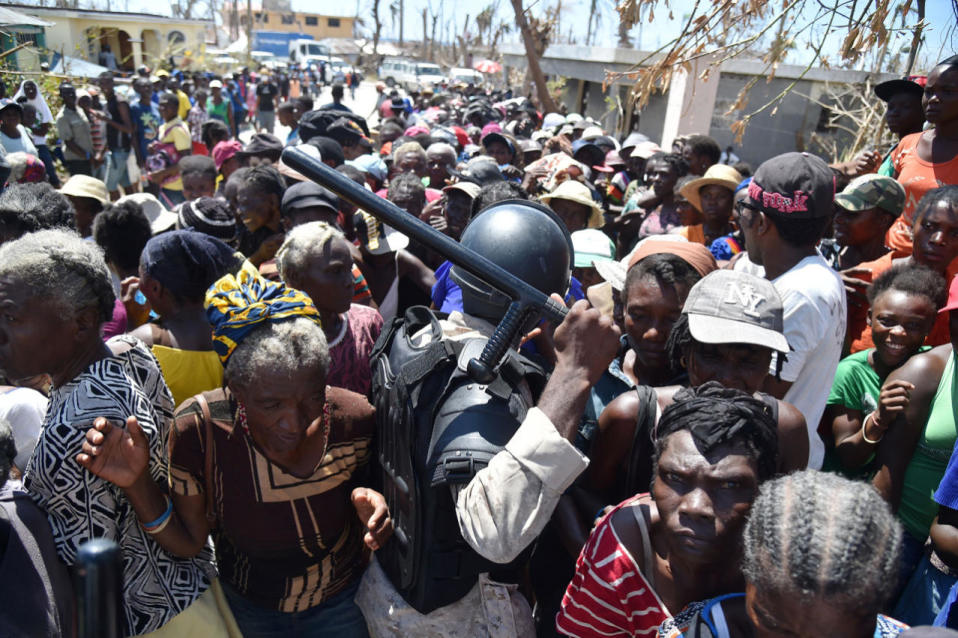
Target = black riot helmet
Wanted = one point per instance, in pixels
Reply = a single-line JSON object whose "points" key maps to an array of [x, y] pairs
{"points": [[524, 238]]}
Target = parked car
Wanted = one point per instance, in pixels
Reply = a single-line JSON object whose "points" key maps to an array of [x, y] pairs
{"points": [[394, 71], [466, 76], [424, 75]]}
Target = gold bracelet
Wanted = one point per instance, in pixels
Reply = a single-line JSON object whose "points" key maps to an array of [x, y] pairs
{"points": [[871, 415]]}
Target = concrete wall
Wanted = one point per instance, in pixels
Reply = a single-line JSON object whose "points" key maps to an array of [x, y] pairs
{"points": [[789, 128], [693, 105]]}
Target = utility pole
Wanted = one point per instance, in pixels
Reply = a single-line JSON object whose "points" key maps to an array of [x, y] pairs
{"points": [[249, 32], [402, 18]]}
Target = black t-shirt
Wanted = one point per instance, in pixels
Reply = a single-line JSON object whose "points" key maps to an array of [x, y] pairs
{"points": [[266, 92]]}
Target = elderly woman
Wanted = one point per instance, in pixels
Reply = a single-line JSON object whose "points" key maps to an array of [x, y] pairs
{"points": [[655, 553], [268, 464], [821, 554], [56, 293], [316, 259]]}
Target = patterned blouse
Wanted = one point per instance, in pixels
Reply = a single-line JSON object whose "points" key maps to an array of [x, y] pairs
{"points": [[81, 506], [280, 541]]}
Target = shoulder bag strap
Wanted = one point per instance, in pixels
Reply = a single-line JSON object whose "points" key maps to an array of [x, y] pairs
{"points": [[648, 565], [208, 466]]}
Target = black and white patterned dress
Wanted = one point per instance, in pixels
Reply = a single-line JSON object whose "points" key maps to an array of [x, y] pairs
{"points": [[81, 506]]}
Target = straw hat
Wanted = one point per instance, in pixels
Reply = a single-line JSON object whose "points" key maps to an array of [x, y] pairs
{"points": [[646, 149], [577, 192], [86, 186], [719, 174]]}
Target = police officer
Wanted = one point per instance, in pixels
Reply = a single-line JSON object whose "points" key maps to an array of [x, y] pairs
{"points": [[488, 468]]}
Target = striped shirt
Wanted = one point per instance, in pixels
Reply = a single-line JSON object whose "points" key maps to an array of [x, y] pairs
{"points": [[609, 595]]}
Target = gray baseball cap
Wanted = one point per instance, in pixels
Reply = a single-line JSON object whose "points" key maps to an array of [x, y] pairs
{"points": [[727, 306]]}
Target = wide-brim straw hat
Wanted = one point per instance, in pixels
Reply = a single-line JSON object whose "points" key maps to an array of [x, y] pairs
{"points": [[717, 174], [577, 192]]}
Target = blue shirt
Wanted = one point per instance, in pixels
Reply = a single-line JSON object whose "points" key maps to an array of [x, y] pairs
{"points": [[293, 138], [447, 295], [146, 122]]}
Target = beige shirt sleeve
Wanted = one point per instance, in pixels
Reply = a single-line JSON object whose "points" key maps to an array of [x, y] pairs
{"points": [[508, 503]]}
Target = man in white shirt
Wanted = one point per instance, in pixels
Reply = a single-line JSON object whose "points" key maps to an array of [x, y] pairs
{"points": [[783, 218]]}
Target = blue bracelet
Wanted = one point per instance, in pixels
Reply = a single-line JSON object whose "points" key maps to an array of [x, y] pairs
{"points": [[162, 519]]}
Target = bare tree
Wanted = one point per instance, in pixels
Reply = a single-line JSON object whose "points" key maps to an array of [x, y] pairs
{"points": [[484, 22], [592, 18], [546, 103], [717, 30], [425, 31], [377, 29], [916, 37]]}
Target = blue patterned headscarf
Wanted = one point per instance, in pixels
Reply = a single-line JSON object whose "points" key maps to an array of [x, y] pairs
{"points": [[236, 305]]}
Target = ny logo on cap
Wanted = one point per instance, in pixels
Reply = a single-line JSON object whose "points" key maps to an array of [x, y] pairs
{"points": [[744, 295]]}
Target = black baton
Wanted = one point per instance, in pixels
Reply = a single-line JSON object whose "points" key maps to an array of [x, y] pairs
{"points": [[527, 301], [98, 583]]}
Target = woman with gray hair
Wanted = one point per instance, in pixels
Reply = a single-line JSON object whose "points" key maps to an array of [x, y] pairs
{"points": [[55, 292], [316, 259], [821, 559], [269, 464]]}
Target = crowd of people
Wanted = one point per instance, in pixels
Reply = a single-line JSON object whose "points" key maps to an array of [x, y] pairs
{"points": [[745, 425]]}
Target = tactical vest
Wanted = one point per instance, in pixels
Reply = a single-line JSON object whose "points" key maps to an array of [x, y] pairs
{"points": [[436, 428]]}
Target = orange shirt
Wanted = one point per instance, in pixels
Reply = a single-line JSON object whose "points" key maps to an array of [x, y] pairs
{"points": [[860, 332], [694, 234], [918, 177]]}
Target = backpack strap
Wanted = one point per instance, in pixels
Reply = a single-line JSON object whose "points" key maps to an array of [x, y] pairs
{"points": [[648, 564], [638, 472], [208, 465]]}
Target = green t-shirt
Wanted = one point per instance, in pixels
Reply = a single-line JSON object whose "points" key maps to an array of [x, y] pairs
{"points": [[856, 386]]}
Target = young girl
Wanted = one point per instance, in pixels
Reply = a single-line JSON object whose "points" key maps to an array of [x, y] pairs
{"points": [[904, 301]]}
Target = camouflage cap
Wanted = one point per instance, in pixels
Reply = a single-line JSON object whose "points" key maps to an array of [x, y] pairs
{"points": [[873, 191]]}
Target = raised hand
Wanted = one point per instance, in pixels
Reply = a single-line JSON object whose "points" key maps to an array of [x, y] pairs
{"points": [[115, 454], [586, 341], [856, 288], [372, 510], [894, 398]]}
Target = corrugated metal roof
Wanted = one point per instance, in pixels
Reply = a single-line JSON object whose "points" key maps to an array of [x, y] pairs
{"points": [[8, 17]]}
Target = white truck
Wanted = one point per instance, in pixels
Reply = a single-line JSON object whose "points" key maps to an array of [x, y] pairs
{"points": [[308, 52]]}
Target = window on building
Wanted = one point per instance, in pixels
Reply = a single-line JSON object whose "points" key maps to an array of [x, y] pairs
{"points": [[333, 23], [262, 17], [288, 18], [176, 37], [824, 120], [25, 38], [312, 21]]}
